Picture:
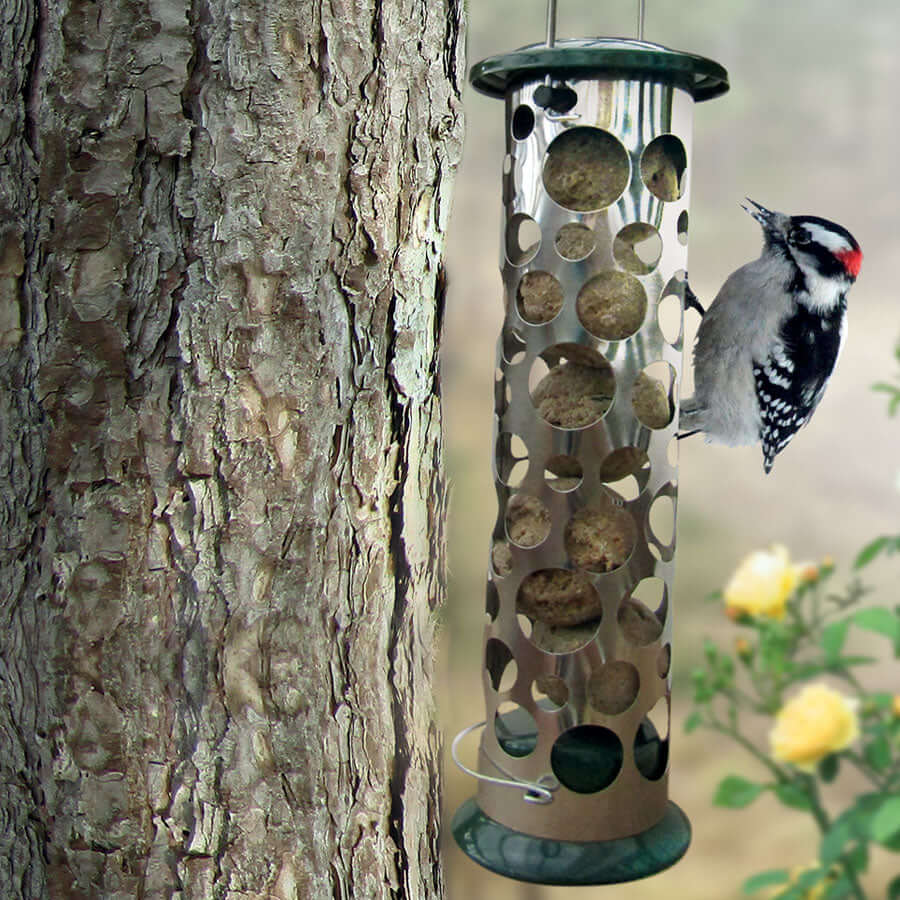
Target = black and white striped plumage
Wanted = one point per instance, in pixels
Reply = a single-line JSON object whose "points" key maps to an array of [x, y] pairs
{"points": [[768, 343]]}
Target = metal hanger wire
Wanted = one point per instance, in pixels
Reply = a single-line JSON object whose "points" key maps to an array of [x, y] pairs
{"points": [[551, 21]]}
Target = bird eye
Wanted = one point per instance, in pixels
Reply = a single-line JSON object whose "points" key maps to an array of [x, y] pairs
{"points": [[800, 238]]}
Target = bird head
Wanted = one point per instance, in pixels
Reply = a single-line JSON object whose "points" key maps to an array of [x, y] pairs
{"points": [[818, 247]]}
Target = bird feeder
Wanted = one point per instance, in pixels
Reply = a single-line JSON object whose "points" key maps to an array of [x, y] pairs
{"points": [[576, 665]]}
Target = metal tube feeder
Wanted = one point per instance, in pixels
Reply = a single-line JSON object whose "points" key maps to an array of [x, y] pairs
{"points": [[573, 758]]}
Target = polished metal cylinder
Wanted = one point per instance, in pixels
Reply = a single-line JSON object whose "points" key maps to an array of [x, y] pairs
{"points": [[596, 187]]}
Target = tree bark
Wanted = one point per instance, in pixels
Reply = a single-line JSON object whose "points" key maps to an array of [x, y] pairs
{"points": [[221, 485]]}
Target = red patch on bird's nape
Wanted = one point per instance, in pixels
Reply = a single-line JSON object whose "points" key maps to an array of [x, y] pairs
{"points": [[851, 260]]}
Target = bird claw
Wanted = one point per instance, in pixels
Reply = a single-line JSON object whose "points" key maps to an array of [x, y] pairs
{"points": [[690, 299]]}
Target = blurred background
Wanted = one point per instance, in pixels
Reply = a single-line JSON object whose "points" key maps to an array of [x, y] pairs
{"points": [[810, 125]]}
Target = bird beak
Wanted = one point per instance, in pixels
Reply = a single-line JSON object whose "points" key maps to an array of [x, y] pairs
{"points": [[773, 223], [760, 213]]}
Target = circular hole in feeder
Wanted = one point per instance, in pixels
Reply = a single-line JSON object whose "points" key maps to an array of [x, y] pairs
{"points": [[499, 662], [664, 661], [538, 373], [523, 239], [525, 625], [513, 346], [502, 395], [682, 227], [637, 248], [515, 729], [522, 122], [661, 520], [564, 638], [642, 616], [627, 488], [501, 559], [539, 297], [651, 742], [662, 167], [600, 537], [613, 687], [668, 316], [587, 758], [550, 692], [586, 169], [575, 241], [558, 597], [652, 399], [527, 521], [652, 593], [512, 459], [672, 452], [559, 98], [612, 305], [623, 462], [492, 601], [563, 473], [577, 389]]}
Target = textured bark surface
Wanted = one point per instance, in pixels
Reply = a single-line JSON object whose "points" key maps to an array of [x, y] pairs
{"points": [[221, 487]]}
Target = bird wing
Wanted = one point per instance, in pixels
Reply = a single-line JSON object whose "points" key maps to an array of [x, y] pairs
{"points": [[791, 381]]}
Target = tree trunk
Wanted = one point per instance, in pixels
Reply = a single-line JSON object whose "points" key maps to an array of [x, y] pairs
{"points": [[221, 485]]}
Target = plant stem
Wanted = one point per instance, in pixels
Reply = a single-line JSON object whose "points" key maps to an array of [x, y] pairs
{"points": [[824, 823], [877, 780], [735, 735]]}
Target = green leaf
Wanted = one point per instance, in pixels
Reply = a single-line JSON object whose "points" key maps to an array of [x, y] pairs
{"points": [[879, 620], [840, 889], [828, 768], [834, 841], [693, 721], [847, 662], [893, 395], [861, 815], [833, 638], [809, 879], [764, 879], [858, 858], [735, 792], [878, 753], [881, 699], [703, 691], [791, 795], [870, 551], [886, 821], [893, 891]]}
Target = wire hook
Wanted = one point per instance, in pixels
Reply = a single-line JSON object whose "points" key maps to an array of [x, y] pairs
{"points": [[538, 792]]}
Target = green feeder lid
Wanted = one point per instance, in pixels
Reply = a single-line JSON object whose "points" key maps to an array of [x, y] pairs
{"points": [[616, 57]]}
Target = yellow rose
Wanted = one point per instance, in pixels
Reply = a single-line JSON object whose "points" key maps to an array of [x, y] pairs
{"points": [[815, 723], [762, 584]]}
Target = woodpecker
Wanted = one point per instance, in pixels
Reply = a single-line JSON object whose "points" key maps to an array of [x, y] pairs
{"points": [[768, 343]]}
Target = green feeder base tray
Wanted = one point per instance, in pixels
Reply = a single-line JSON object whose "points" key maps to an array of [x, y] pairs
{"points": [[527, 858]]}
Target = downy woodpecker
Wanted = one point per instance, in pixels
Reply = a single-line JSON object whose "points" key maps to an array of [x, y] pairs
{"points": [[768, 343]]}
